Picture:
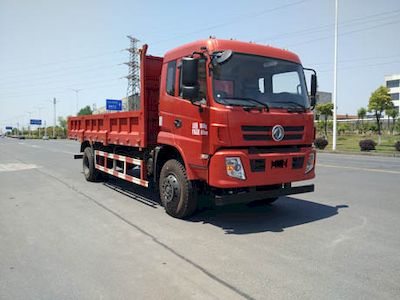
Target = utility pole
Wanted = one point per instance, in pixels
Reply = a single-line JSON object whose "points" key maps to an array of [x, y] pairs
{"points": [[335, 79], [55, 120], [77, 99], [39, 108], [29, 123], [133, 76]]}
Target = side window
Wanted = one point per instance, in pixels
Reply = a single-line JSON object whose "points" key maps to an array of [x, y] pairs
{"points": [[171, 71]]}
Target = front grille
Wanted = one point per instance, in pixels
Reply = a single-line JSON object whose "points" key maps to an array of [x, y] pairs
{"points": [[263, 133], [256, 128], [257, 137], [273, 149]]}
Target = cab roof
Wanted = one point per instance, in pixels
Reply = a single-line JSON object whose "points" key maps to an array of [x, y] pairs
{"points": [[213, 45]]}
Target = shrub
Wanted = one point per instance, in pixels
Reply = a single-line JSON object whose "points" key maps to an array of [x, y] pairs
{"points": [[320, 143], [373, 127], [367, 145], [397, 145]]}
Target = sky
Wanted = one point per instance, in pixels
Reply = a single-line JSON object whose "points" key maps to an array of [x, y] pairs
{"points": [[48, 48]]}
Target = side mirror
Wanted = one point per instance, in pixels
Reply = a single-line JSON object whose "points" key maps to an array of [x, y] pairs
{"points": [[190, 92], [313, 96], [220, 57], [189, 71], [190, 85]]}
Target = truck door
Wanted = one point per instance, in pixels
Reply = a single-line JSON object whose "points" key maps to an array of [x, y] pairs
{"points": [[192, 126]]}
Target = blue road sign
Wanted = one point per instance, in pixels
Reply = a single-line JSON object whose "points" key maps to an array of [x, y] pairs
{"points": [[113, 104], [9, 128], [36, 122]]}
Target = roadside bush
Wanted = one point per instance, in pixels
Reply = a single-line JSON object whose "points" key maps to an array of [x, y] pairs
{"points": [[373, 127], [367, 145], [397, 145], [321, 143]]}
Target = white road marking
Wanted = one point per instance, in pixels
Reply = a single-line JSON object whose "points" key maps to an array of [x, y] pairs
{"points": [[359, 169], [11, 167], [46, 148]]}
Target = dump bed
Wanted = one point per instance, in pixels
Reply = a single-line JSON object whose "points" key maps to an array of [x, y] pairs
{"points": [[137, 128]]}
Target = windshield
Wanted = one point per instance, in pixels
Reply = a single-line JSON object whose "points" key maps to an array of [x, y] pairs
{"points": [[247, 79]]}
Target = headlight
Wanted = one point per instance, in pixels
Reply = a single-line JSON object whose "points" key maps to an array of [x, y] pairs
{"points": [[310, 162], [234, 167]]}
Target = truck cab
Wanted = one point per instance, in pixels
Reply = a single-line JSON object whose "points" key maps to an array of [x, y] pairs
{"points": [[240, 116]]}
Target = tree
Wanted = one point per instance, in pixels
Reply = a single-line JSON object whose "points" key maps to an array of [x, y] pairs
{"points": [[85, 111], [325, 109], [392, 113], [379, 101], [63, 124], [361, 113]]}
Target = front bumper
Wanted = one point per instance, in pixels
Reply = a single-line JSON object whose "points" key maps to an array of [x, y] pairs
{"points": [[260, 195], [278, 168]]}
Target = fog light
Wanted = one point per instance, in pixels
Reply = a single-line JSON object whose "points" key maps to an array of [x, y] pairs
{"points": [[310, 162], [234, 167]]}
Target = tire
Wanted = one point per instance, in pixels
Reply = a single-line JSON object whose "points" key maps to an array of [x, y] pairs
{"points": [[177, 193], [89, 170]]}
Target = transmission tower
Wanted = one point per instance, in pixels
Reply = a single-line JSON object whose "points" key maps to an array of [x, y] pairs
{"points": [[133, 76]]}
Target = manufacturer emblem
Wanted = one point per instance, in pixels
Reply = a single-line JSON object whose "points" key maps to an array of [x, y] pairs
{"points": [[278, 133]]}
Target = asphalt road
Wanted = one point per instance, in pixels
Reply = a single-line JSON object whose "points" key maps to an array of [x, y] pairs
{"points": [[64, 238]]}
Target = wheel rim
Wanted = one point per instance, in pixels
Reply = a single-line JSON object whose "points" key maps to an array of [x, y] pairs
{"points": [[170, 188], [86, 165]]}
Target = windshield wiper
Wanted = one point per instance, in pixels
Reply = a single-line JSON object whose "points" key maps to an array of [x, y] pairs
{"points": [[300, 107], [247, 99]]}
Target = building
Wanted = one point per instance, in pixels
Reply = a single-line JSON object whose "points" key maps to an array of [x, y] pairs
{"points": [[393, 83], [324, 97]]}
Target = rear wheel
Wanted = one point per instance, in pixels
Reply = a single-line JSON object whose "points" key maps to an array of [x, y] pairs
{"points": [[89, 170], [177, 193]]}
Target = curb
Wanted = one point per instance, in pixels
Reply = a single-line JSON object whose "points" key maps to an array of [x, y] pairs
{"points": [[360, 153]]}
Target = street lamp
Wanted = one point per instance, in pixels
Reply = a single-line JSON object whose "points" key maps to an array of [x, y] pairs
{"points": [[335, 78], [39, 108], [29, 122], [77, 98]]}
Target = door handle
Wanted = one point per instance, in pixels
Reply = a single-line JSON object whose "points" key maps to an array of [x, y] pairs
{"points": [[178, 123]]}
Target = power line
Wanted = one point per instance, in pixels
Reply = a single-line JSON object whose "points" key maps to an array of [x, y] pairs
{"points": [[361, 66], [68, 60], [40, 76], [328, 26], [63, 89], [356, 60], [342, 34], [236, 20]]}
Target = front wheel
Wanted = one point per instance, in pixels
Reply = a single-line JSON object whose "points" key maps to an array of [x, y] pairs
{"points": [[177, 193]]}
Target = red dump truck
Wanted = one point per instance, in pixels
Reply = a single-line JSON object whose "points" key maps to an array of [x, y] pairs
{"points": [[222, 118]]}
